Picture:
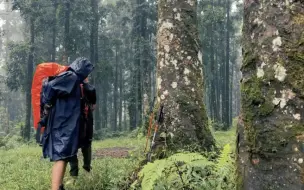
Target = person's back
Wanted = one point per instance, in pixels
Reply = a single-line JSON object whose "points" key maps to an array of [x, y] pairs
{"points": [[62, 106]]}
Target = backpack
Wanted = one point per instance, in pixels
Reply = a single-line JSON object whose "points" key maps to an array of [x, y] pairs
{"points": [[42, 72]]}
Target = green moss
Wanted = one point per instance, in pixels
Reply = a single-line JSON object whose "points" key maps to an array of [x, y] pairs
{"points": [[295, 130], [295, 70], [266, 108], [255, 105], [298, 19], [197, 117], [239, 181], [249, 59]]}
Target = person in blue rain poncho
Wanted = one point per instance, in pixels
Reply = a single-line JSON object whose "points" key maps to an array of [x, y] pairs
{"points": [[62, 106]]}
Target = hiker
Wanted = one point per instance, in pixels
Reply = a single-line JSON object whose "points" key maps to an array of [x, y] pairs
{"points": [[88, 102], [62, 106]]}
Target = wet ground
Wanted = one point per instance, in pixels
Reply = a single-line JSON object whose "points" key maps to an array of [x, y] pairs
{"points": [[113, 152]]}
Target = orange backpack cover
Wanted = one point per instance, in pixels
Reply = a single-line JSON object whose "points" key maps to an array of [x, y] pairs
{"points": [[43, 71]]}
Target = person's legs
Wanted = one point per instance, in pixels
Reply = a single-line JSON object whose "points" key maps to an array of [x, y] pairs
{"points": [[74, 168], [58, 174], [87, 157]]}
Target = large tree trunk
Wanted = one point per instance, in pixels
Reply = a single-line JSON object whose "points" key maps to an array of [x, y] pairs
{"points": [[270, 138], [27, 133], [180, 81]]}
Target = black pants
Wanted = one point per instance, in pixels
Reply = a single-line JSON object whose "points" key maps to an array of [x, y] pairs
{"points": [[87, 157]]}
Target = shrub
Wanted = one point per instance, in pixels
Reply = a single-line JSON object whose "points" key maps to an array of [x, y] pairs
{"points": [[188, 171]]}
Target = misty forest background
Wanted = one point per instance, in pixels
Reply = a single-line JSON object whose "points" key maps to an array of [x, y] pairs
{"points": [[221, 129], [119, 37]]}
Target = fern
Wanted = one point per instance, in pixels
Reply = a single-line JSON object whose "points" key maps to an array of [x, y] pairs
{"points": [[150, 173], [225, 168], [177, 170], [224, 157], [188, 171]]}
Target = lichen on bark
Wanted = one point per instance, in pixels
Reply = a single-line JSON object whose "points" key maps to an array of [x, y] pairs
{"points": [[270, 134], [180, 87]]}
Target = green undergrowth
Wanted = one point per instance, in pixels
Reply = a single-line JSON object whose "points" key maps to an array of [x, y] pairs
{"points": [[23, 169], [193, 171]]}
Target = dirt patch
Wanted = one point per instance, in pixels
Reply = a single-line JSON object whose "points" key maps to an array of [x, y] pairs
{"points": [[114, 152]]}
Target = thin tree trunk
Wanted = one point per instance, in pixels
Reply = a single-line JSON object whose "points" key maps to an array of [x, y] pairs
{"points": [[67, 13], [217, 76], [104, 107], [137, 83], [54, 34], [27, 132], [227, 76], [94, 58], [121, 96], [270, 133], [214, 105], [115, 98]]}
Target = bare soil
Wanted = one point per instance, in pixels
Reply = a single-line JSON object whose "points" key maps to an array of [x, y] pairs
{"points": [[114, 152]]}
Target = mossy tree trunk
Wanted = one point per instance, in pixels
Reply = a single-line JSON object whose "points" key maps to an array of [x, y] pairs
{"points": [[271, 131], [179, 78]]}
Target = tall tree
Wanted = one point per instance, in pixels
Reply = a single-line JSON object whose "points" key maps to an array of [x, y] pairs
{"points": [[30, 67], [179, 77], [67, 13], [270, 138], [226, 93], [54, 32], [94, 57], [30, 11], [115, 93]]}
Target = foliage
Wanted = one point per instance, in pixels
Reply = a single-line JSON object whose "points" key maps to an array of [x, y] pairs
{"points": [[10, 142], [226, 137], [188, 171], [16, 65], [225, 169], [193, 170], [22, 168]]}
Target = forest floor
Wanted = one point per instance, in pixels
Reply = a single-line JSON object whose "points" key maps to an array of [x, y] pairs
{"points": [[114, 160]]}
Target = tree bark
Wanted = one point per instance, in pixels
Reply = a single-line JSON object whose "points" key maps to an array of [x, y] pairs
{"points": [[115, 98], [94, 59], [214, 105], [67, 12], [27, 133], [121, 96], [270, 133], [226, 104], [54, 34], [180, 81]]}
